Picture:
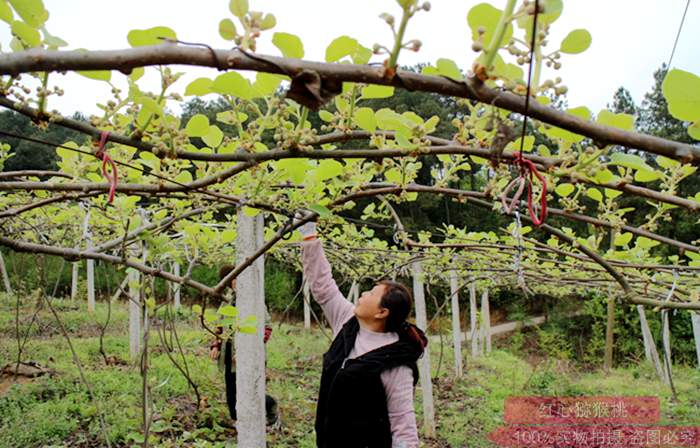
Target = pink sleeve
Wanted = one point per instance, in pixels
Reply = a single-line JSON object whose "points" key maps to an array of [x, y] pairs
{"points": [[398, 384], [317, 272]]}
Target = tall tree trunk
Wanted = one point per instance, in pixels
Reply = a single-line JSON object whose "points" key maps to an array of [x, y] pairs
{"points": [[456, 327], [250, 350], [426, 383]]}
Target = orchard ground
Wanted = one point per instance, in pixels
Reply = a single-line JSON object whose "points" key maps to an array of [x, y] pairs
{"points": [[55, 410]]}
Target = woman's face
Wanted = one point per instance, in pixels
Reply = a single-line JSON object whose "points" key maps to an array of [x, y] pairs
{"points": [[369, 304]]}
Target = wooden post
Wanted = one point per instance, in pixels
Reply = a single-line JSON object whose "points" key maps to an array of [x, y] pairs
{"points": [[485, 322], [456, 327], [695, 318], [650, 351], [473, 320], [426, 383], [5, 277], [90, 271], [250, 351], [307, 305], [75, 274], [134, 313], [176, 286]]}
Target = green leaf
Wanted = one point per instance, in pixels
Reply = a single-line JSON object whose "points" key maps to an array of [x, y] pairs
{"points": [[646, 243], [26, 33], [266, 83], [576, 41], [289, 44], [554, 132], [374, 91], [6, 14], [150, 160], [325, 116], [199, 87], [213, 136], [137, 73], [431, 124], [150, 36], [643, 175], [98, 75], [694, 130], [227, 29], [623, 239], [232, 83], [239, 8], [665, 162], [448, 67], [67, 155], [552, 10], [295, 168], [228, 311], [682, 92], [198, 126], [31, 11], [487, 16], [248, 329], [196, 309], [365, 119], [268, 22], [320, 209], [341, 47], [630, 161], [594, 194], [328, 169], [565, 189], [185, 177], [622, 121], [362, 55], [612, 194]]}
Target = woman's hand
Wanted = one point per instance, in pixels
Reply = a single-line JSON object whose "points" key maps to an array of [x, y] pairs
{"points": [[307, 230]]}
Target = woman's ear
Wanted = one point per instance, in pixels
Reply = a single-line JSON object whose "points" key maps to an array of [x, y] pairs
{"points": [[382, 314]]}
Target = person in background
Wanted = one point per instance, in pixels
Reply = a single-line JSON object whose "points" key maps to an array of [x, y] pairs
{"points": [[369, 372], [227, 364]]}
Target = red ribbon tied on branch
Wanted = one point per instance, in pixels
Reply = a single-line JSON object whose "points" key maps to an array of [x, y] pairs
{"points": [[528, 171], [101, 154]]}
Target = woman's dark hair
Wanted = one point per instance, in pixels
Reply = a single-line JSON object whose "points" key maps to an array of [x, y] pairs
{"points": [[398, 300]]}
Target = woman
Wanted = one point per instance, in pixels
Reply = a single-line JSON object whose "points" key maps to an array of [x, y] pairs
{"points": [[369, 372]]}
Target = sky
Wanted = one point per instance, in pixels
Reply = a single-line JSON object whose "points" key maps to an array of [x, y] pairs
{"points": [[631, 38]]}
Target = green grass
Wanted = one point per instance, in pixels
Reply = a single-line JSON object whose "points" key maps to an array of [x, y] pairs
{"points": [[57, 411]]}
